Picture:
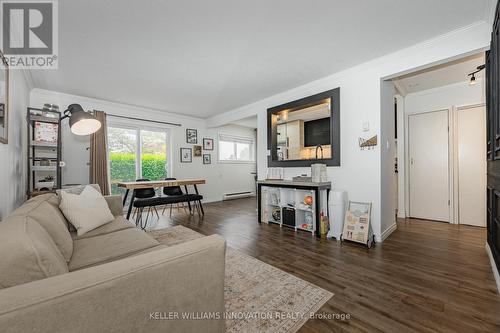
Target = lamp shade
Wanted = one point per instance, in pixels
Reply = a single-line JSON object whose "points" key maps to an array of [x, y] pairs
{"points": [[81, 122]]}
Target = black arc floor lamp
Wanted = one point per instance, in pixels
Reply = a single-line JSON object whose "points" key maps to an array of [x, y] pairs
{"points": [[80, 121]]}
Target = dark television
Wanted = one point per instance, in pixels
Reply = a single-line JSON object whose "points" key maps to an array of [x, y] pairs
{"points": [[317, 132]]}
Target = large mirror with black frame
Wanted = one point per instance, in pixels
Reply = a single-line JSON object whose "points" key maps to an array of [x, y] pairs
{"points": [[305, 131]]}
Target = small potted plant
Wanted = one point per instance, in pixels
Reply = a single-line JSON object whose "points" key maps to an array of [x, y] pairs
{"points": [[46, 183]]}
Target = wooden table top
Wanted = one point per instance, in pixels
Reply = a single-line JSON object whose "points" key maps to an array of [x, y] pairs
{"points": [[160, 183]]}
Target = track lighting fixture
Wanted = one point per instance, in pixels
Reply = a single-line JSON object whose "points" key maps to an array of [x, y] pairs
{"points": [[473, 74]]}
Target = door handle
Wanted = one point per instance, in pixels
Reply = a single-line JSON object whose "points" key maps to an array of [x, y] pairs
{"points": [[411, 161]]}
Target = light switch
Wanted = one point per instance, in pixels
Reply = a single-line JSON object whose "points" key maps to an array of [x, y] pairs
{"points": [[366, 126]]}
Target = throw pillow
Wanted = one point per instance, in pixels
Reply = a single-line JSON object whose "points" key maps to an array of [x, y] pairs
{"points": [[85, 211]]}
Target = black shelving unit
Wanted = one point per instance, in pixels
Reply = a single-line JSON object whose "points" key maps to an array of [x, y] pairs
{"points": [[43, 152]]}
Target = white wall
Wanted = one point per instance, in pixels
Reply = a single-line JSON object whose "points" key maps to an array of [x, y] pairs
{"points": [[458, 94], [388, 190], [221, 177], [443, 98], [360, 171], [12, 155]]}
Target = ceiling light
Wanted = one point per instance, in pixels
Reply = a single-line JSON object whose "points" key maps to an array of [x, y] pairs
{"points": [[472, 80], [473, 74]]}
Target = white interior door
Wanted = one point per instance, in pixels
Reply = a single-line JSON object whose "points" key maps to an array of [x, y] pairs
{"points": [[471, 156], [429, 166]]}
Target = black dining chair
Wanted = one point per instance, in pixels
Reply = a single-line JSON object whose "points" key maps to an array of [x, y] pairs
{"points": [[144, 197], [173, 192], [175, 195]]}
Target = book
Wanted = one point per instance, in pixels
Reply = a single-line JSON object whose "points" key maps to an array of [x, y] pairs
{"points": [[45, 132]]}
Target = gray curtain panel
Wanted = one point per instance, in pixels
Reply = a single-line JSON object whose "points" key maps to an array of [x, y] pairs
{"points": [[99, 155]]}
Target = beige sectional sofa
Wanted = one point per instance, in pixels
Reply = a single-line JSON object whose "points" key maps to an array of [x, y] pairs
{"points": [[115, 278]]}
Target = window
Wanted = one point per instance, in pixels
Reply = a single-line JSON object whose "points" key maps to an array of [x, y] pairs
{"points": [[234, 148], [136, 153]]}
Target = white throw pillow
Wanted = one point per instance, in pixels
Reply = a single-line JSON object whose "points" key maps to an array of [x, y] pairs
{"points": [[85, 211]]}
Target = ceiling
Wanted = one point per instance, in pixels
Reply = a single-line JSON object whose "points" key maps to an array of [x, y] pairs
{"points": [[201, 58], [442, 75], [250, 122]]}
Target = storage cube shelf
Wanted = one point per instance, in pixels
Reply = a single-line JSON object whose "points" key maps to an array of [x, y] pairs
{"points": [[293, 204], [279, 198]]}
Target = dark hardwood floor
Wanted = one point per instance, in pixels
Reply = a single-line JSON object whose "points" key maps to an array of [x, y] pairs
{"points": [[426, 277]]}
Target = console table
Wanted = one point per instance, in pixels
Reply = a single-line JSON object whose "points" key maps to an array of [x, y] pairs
{"points": [[289, 199]]}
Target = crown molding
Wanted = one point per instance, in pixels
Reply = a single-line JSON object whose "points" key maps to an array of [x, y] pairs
{"points": [[115, 105]]}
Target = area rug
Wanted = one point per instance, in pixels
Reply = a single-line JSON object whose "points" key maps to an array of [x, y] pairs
{"points": [[258, 296]]}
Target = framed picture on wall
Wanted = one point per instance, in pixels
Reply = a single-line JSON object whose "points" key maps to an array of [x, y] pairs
{"points": [[191, 135], [186, 155], [197, 151], [208, 144], [207, 159]]}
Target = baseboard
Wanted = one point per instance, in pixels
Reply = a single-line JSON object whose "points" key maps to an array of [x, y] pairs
{"points": [[389, 231], [401, 215], [493, 266]]}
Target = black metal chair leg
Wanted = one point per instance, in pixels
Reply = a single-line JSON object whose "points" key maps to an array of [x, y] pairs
{"points": [[138, 218], [189, 203], [143, 226], [201, 207], [156, 211], [198, 209]]}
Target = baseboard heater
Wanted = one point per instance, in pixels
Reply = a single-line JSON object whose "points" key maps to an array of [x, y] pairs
{"points": [[237, 195]]}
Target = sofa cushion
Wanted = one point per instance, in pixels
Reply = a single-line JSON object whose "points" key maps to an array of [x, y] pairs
{"points": [[44, 209], [85, 211], [28, 252], [109, 247], [118, 224]]}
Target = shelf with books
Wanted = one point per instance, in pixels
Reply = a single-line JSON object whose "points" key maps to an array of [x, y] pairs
{"points": [[43, 144], [44, 151], [43, 168]]}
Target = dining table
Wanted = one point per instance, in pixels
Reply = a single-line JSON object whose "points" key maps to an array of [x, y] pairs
{"points": [[133, 185]]}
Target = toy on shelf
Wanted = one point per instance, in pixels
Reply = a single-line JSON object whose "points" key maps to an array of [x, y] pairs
{"points": [[324, 226], [276, 214], [306, 226], [308, 200]]}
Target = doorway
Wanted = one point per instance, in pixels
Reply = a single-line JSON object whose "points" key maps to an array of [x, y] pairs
{"points": [[470, 153], [441, 157], [429, 166]]}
